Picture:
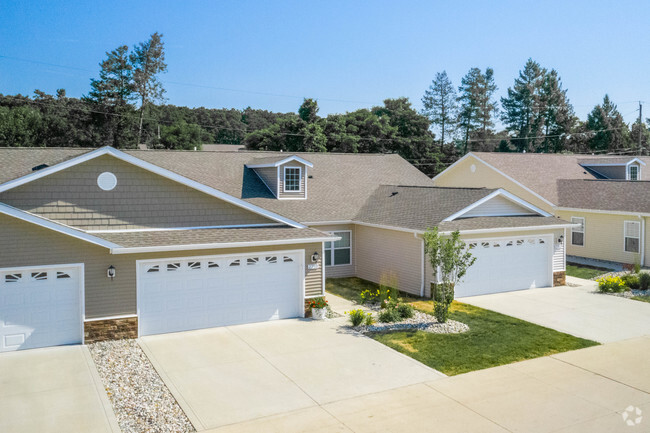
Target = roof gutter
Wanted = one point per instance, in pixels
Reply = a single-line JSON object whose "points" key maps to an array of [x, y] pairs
{"points": [[220, 245], [514, 229], [611, 212]]}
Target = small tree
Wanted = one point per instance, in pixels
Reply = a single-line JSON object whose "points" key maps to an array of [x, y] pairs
{"points": [[450, 258]]}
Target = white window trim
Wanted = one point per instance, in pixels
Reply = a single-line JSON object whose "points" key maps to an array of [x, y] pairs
{"points": [[625, 236], [284, 178], [584, 229], [331, 251], [628, 174]]}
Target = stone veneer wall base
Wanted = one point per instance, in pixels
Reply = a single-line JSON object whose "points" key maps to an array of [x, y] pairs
{"points": [[559, 278], [110, 329]]}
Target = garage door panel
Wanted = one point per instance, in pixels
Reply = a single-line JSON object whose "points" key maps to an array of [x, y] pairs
{"points": [[217, 291], [507, 264]]}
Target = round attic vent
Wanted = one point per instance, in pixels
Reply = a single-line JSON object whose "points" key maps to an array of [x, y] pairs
{"points": [[106, 181]]}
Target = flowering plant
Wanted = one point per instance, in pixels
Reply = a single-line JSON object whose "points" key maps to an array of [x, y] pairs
{"points": [[611, 285], [319, 302]]}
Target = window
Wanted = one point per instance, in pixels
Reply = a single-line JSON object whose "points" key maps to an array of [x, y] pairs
{"points": [[339, 252], [292, 177], [578, 233], [633, 172], [631, 236]]}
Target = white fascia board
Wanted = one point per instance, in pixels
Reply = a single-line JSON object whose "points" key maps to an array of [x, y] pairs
{"points": [[510, 179], [154, 169], [454, 165], [282, 161], [329, 223], [57, 227], [613, 164], [635, 160], [171, 229], [600, 211], [514, 229], [498, 193], [133, 250], [382, 226]]}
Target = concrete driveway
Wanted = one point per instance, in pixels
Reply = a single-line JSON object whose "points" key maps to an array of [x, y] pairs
{"points": [[53, 390], [229, 375], [578, 311]]}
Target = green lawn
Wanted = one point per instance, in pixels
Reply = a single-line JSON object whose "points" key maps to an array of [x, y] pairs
{"points": [[642, 298], [585, 272], [493, 339]]}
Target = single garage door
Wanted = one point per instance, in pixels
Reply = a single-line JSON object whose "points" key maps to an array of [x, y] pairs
{"points": [[40, 307], [203, 292], [508, 264]]}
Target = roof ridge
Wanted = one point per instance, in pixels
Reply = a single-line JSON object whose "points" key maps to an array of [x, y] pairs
{"points": [[439, 187]]}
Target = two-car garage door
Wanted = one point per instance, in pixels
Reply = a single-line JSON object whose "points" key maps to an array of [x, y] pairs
{"points": [[201, 292], [507, 264]]}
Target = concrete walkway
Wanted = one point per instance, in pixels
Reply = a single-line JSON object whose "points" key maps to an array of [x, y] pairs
{"points": [[579, 311], [52, 390]]}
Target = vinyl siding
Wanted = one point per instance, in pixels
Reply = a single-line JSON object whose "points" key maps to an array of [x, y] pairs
{"points": [[385, 254], [485, 177], [25, 244], [499, 206], [343, 270], [303, 174], [269, 176], [140, 199], [558, 258], [603, 237]]}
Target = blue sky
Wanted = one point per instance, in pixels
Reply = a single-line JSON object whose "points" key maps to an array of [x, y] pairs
{"points": [[347, 54]]}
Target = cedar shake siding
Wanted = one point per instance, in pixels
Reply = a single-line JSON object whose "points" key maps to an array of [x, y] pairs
{"points": [[140, 199], [25, 244]]}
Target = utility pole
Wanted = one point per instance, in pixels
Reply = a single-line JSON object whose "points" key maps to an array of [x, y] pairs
{"points": [[640, 125]]}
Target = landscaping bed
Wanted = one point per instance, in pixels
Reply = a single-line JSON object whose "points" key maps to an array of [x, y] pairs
{"points": [[492, 339], [140, 399], [630, 285]]}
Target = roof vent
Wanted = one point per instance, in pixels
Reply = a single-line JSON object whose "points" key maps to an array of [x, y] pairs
{"points": [[40, 167], [394, 193]]}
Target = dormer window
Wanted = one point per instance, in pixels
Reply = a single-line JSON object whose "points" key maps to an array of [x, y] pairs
{"points": [[632, 172], [292, 176]]}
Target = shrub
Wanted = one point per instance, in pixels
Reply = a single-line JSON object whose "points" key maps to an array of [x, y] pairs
{"points": [[637, 267], [388, 315], [631, 281], [405, 311], [357, 316], [368, 320], [610, 285], [644, 280]]}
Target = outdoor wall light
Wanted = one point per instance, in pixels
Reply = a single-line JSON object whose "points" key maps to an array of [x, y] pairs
{"points": [[111, 272], [315, 257], [560, 239]]}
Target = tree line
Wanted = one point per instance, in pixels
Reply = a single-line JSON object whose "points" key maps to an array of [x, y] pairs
{"points": [[125, 107]]}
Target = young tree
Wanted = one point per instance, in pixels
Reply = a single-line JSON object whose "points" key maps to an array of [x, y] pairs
{"points": [[439, 102], [610, 132], [148, 60], [450, 259]]}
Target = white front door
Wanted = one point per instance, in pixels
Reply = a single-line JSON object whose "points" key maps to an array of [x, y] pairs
{"points": [[40, 307], [507, 264], [202, 292]]}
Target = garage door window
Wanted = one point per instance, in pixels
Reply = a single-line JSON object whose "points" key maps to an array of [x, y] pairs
{"points": [[632, 234], [578, 233], [340, 252]]}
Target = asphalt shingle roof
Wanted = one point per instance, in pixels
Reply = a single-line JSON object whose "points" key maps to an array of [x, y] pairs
{"points": [[615, 195]]}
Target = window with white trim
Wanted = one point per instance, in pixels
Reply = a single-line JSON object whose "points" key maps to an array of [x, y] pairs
{"points": [[340, 252], [292, 177], [633, 172], [632, 236], [578, 233]]}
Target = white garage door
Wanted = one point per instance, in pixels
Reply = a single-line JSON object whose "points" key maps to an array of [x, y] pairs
{"points": [[40, 307], [508, 264], [203, 292]]}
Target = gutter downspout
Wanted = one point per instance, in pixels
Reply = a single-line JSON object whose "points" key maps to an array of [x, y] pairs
{"points": [[642, 240], [422, 267]]}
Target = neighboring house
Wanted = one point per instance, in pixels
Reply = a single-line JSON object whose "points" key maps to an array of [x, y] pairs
{"points": [[100, 244], [606, 197]]}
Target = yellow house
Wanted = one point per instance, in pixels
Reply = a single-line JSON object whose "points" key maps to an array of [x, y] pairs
{"points": [[606, 197]]}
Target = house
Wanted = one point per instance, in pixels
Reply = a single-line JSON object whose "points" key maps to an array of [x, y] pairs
{"points": [[606, 197], [104, 243]]}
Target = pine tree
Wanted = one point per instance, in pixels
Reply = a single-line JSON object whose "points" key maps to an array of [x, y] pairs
{"points": [[440, 106], [476, 105], [486, 106], [115, 84], [610, 132]]}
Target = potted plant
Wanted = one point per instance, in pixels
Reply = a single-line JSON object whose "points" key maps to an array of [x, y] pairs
{"points": [[318, 307]]}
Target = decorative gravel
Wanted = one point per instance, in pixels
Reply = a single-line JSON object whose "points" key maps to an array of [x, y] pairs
{"points": [[140, 399], [629, 293], [420, 321]]}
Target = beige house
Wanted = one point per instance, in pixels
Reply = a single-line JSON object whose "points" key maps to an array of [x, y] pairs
{"points": [[103, 243], [606, 197]]}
